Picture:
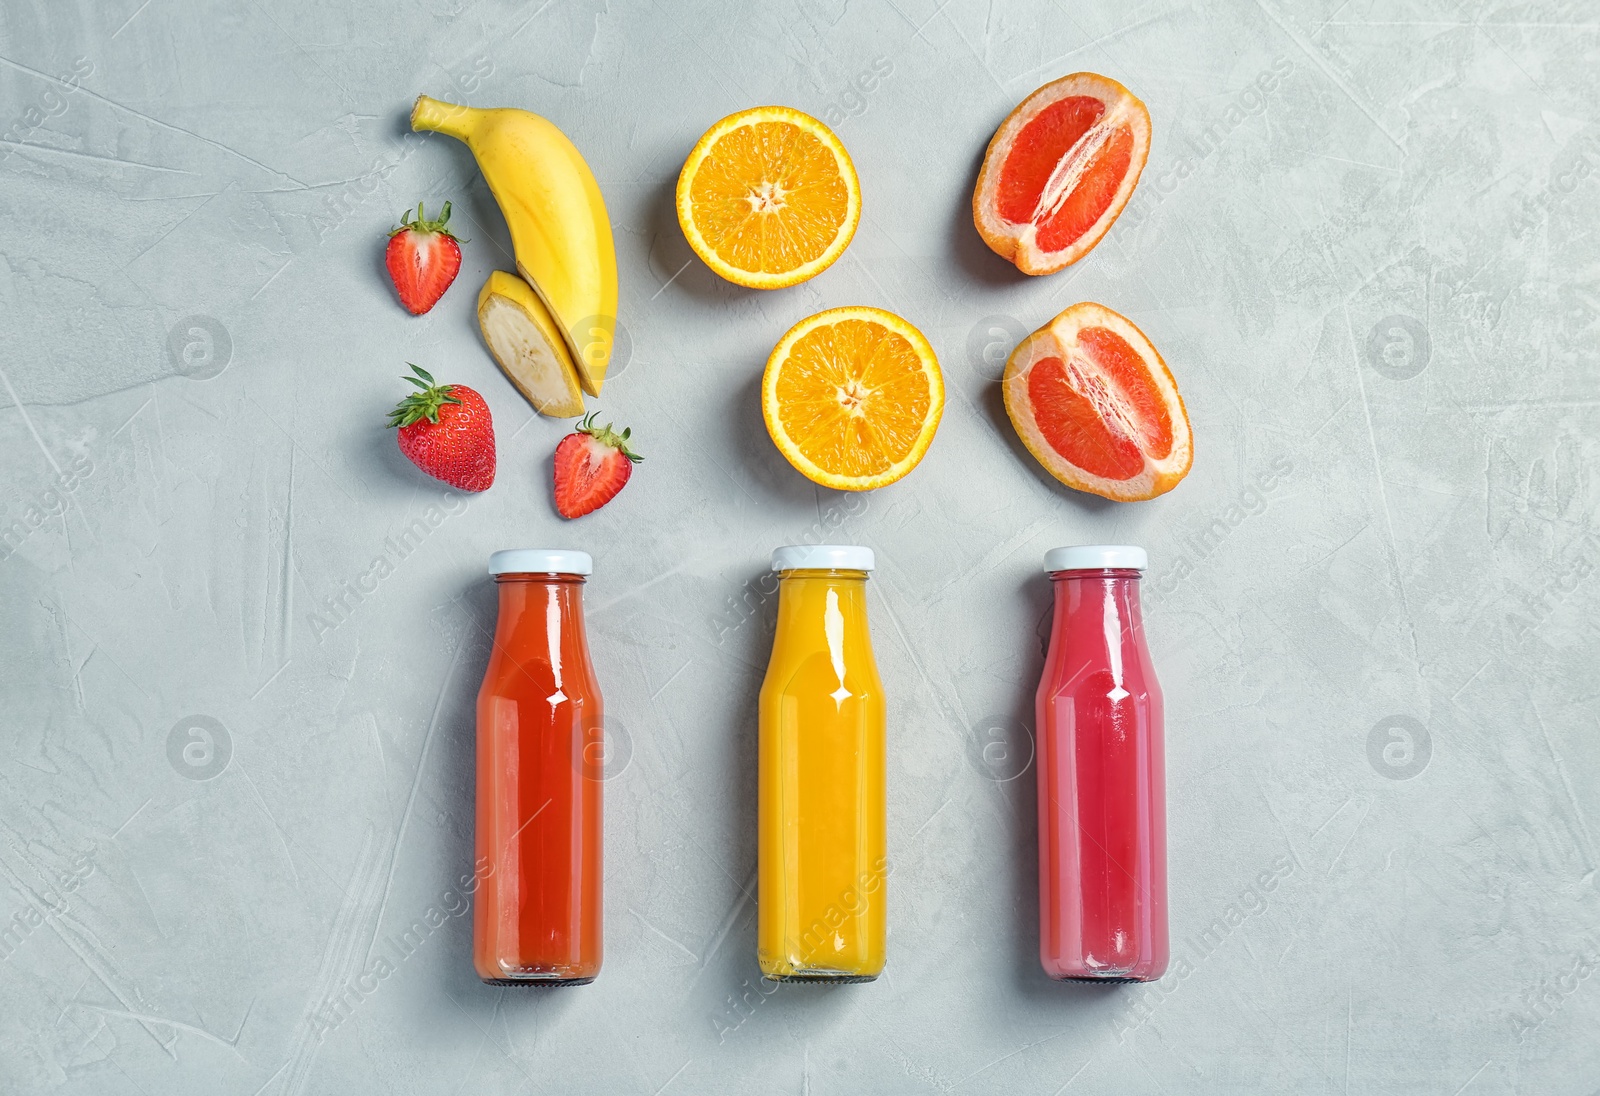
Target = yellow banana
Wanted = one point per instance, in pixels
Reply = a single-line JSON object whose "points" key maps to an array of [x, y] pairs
{"points": [[559, 228], [528, 345]]}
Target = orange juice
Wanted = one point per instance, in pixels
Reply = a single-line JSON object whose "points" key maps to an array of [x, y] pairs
{"points": [[822, 804]]}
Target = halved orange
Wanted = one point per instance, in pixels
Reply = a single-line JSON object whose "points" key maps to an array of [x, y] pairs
{"points": [[769, 197], [1059, 170], [852, 397], [1095, 404]]}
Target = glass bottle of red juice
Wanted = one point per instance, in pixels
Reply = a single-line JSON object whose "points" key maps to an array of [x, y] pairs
{"points": [[1102, 785], [536, 917]]}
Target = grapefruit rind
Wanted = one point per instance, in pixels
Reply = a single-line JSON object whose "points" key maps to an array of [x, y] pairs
{"points": [[1016, 242], [1057, 339], [771, 407], [754, 279]]}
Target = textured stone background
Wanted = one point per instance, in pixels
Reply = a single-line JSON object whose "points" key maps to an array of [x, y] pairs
{"points": [[1372, 603]]}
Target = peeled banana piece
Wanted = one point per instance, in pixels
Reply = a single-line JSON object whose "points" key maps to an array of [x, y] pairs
{"points": [[528, 345], [559, 228]]}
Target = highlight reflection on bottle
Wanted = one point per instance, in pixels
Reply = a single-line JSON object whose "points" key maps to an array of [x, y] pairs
{"points": [[1102, 783], [822, 814], [537, 914]]}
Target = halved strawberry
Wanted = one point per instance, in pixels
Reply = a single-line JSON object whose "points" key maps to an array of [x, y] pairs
{"points": [[592, 465], [423, 259]]}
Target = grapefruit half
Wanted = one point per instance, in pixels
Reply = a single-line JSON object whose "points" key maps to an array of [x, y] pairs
{"points": [[1060, 170], [1095, 404]]}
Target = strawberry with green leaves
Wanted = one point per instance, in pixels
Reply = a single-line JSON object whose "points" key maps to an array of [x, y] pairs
{"points": [[592, 465], [446, 430], [423, 259]]}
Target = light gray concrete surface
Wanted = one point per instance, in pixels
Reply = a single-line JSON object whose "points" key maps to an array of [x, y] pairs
{"points": [[1377, 283]]}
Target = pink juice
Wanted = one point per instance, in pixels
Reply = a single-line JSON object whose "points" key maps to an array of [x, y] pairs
{"points": [[1102, 793]]}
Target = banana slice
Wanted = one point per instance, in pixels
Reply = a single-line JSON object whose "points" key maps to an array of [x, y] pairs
{"points": [[528, 345]]}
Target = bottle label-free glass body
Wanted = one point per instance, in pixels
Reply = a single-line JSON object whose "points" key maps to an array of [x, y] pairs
{"points": [[537, 913], [822, 813], [1102, 787]]}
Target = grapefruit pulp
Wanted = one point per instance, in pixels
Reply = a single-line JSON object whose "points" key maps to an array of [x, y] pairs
{"points": [[1059, 171], [1095, 404]]}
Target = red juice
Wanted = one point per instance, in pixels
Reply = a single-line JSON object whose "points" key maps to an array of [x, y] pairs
{"points": [[1102, 784], [537, 914]]}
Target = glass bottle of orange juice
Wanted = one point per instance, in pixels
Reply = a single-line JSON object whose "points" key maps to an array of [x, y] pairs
{"points": [[822, 814]]}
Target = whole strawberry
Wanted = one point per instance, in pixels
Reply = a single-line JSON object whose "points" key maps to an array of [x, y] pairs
{"points": [[423, 259], [592, 465], [446, 430]]}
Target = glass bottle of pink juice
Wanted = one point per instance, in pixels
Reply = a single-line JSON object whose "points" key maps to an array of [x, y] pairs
{"points": [[1102, 785]]}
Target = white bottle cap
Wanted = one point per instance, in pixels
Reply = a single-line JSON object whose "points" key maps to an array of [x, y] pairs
{"points": [[822, 557], [540, 561], [1096, 557]]}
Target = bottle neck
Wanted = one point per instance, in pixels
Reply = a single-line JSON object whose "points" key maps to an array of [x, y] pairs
{"points": [[512, 583], [1110, 593], [840, 574], [807, 599], [1126, 576], [793, 584], [536, 610]]}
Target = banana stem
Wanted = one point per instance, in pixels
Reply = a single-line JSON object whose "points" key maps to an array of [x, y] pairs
{"points": [[447, 118]]}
